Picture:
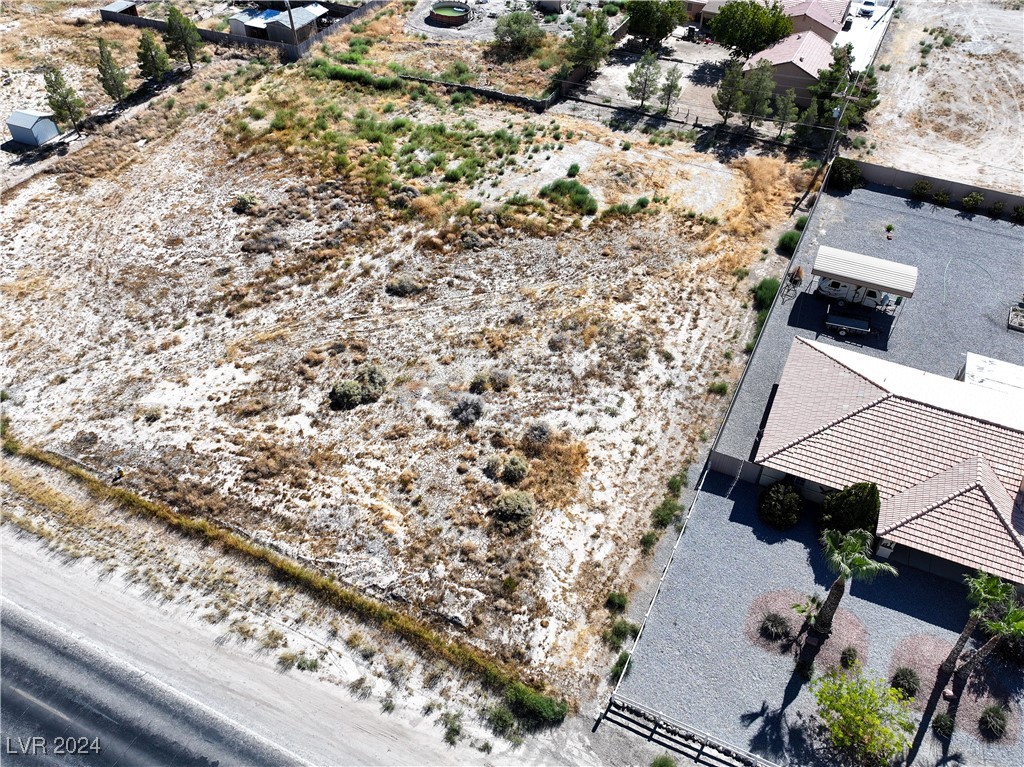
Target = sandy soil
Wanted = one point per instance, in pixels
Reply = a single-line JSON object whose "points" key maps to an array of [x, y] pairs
{"points": [[147, 325], [961, 117]]}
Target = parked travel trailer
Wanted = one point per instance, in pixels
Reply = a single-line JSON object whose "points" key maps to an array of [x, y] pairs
{"points": [[843, 293]]}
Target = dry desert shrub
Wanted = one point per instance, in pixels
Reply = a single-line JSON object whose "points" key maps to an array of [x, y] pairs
{"points": [[768, 184]]}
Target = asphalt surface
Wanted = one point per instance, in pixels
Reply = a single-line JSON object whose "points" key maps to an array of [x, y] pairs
{"points": [[64, 704]]}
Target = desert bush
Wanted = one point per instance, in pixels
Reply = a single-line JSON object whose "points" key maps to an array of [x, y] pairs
{"points": [[468, 410], [663, 761], [515, 506], [941, 197], [515, 470], [780, 506], [648, 541], [907, 681], [774, 626], [997, 208], [666, 512], [972, 200], [855, 508], [620, 631], [943, 725], [571, 194], [479, 384], [616, 602], [921, 189], [500, 720], [452, 721], [244, 203], [993, 722], [621, 664], [764, 293], [494, 466], [574, 170], [404, 285], [848, 657], [373, 381], [518, 31], [788, 241], [346, 395], [537, 437], [1017, 216], [534, 709], [845, 174], [721, 388], [500, 380]]}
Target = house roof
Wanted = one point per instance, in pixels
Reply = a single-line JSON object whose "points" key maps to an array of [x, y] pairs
{"points": [[302, 17], [858, 269], [947, 455], [255, 17], [119, 6], [27, 118], [828, 12], [811, 52], [993, 373]]}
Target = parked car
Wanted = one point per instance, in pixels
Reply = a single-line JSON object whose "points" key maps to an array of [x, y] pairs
{"points": [[867, 9]]}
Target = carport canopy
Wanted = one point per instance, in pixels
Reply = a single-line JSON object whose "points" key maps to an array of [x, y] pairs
{"points": [[867, 271]]}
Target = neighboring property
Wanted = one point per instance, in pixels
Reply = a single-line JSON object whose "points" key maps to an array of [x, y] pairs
{"points": [[32, 127], [823, 17], [126, 7], [279, 28], [252, 22], [796, 62], [947, 455]]}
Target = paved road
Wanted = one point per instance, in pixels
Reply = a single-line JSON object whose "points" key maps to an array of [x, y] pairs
{"points": [[60, 696]]}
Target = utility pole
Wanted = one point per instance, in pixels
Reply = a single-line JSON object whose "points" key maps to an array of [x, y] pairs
{"points": [[291, 22]]}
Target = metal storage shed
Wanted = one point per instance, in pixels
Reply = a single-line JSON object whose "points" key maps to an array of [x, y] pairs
{"points": [[32, 127], [867, 271]]}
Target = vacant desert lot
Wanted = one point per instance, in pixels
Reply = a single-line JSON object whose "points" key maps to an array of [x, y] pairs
{"points": [[148, 325], [955, 112]]}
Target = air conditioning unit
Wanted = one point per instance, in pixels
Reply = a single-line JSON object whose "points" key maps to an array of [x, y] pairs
{"points": [[885, 548]]}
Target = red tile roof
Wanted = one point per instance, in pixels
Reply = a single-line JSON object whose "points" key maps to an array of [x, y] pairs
{"points": [[947, 456]]}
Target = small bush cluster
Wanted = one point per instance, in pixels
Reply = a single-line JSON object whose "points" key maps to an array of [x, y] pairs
{"points": [[616, 602], [721, 388], [537, 437], [788, 242], [367, 386], [500, 720], [943, 725], [993, 722], [855, 508], [321, 69], [941, 197], [972, 201], [515, 470], [801, 223], [620, 631], [244, 203], [493, 380], [404, 285], [907, 681], [845, 174], [921, 189], [534, 709], [571, 194], [574, 170], [775, 626], [468, 409], [848, 658], [780, 506], [621, 664], [666, 512], [514, 507]]}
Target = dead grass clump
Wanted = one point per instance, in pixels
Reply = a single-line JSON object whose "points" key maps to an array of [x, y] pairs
{"points": [[768, 184], [555, 471], [270, 460]]}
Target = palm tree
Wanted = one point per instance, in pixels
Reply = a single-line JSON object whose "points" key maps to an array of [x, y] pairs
{"points": [[848, 555], [983, 591], [1010, 626]]}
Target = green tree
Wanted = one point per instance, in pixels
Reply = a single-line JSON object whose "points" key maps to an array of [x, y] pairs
{"points": [[983, 591], [786, 112], [643, 80], [748, 27], [855, 508], [1010, 626], [653, 20], [153, 60], [589, 43], [730, 98], [848, 555], [759, 87], [62, 98], [860, 89], [182, 37], [518, 31], [112, 77], [808, 118], [865, 719], [671, 87]]}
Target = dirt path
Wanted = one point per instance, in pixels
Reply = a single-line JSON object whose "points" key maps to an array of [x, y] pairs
{"points": [[957, 112]]}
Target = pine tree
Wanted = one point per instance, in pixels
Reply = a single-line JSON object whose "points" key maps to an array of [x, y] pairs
{"points": [[182, 37], [809, 117], [154, 62], [64, 102], [730, 98], [758, 89], [112, 77], [671, 87], [643, 80], [786, 112], [589, 43]]}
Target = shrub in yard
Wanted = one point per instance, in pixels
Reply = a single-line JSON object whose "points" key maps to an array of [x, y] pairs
{"points": [[997, 208], [663, 761], [789, 241], [515, 470], [780, 506], [666, 512], [1017, 216], [855, 508], [516, 507], [500, 720], [611, 9], [574, 170], [845, 174], [941, 197], [774, 626], [620, 631], [648, 541], [346, 395], [801, 223], [468, 410], [921, 189], [721, 388], [616, 602], [972, 201], [571, 194], [764, 293], [537, 437], [848, 658], [906, 681], [621, 664], [403, 285], [993, 722], [943, 725], [533, 708]]}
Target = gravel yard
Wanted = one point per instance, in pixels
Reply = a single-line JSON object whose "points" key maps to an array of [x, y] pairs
{"points": [[694, 663]]}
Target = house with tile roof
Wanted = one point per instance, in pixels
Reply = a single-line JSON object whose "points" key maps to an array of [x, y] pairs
{"points": [[947, 455], [823, 17], [796, 62]]}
